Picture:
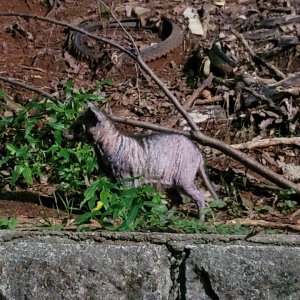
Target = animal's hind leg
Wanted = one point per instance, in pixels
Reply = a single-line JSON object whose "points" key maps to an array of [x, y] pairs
{"points": [[197, 196], [206, 181]]}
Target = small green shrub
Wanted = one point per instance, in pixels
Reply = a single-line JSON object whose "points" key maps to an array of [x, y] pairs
{"points": [[33, 149]]}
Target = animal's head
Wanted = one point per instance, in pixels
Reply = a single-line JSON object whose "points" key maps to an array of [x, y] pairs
{"points": [[86, 125]]}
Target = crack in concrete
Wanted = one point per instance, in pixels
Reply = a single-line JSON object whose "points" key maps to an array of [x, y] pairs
{"points": [[178, 272], [206, 283]]}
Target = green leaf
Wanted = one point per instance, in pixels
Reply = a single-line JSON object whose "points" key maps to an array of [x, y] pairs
{"points": [[91, 190], [28, 127], [57, 126], [132, 216], [3, 95], [65, 154], [217, 203], [22, 152], [8, 223], [129, 193], [57, 137], [92, 203], [16, 173], [91, 164], [27, 174], [11, 148], [53, 148], [4, 160], [84, 218], [128, 202], [104, 196]]}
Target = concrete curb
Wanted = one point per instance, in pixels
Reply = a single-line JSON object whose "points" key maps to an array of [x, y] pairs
{"points": [[105, 265]]}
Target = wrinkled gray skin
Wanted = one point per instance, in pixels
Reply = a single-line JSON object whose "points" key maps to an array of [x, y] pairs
{"points": [[170, 160]]}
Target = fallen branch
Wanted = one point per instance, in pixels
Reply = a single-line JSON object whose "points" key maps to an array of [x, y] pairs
{"points": [[206, 83], [195, 134], [269, 101], [289, 19], [254, 56], [213, 100], [268, 143], [263, 223], [219, 145], [26, 86]]}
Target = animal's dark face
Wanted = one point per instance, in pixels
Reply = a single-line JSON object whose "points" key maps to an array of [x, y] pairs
{"points": [[83, 127], [79, 130]]}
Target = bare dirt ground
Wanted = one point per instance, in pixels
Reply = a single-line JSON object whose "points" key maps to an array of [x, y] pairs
{"points": [[38, 54]]}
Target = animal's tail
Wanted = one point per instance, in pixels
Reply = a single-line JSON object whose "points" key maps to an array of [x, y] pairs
{"points": [[207, 182]]}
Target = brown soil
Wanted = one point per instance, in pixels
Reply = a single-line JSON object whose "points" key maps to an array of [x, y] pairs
{"points": [[38, 55]]}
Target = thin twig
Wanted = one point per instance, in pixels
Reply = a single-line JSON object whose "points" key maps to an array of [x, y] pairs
{"points": [[190, 101], [174, 100], [51, 9], [121, 25], [267, 100], [26, 86], [278, 73]]}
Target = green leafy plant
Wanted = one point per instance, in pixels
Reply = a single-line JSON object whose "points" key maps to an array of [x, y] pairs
{"points": [[108, 202], [34, 150], [288, 206], [8, 223]]}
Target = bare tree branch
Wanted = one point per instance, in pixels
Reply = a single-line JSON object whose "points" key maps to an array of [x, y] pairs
{"points": [[195, 134]]}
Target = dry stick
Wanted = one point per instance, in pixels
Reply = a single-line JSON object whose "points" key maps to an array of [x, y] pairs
{"points": [[51, 9], [121, 25], [268, 143], [212, 100], [196, 135], [74, 28], [26, 86], [177, 104], [267, 100], [157, 80], [206, 141], [206, 83], [278, 73], [263, 223], [224, 148]]}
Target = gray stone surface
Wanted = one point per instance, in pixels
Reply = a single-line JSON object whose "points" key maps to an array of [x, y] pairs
{"points": [[102, 265], [56, 268], [243, 272]]}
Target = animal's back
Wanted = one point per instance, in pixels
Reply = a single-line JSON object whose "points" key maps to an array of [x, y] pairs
{"points": [[170, 158]]}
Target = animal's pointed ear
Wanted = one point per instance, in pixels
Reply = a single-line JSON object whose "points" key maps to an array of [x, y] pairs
{"points": [[98, 114], [90, 105]]}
